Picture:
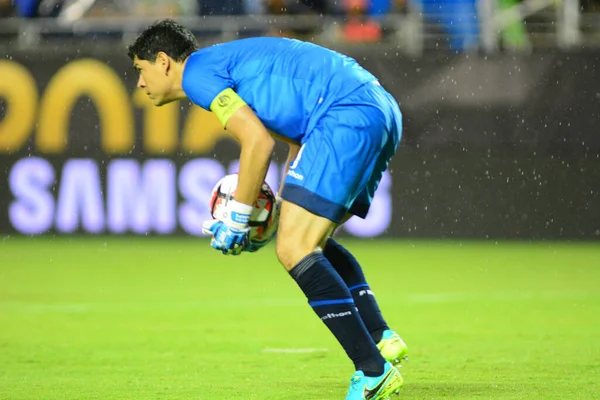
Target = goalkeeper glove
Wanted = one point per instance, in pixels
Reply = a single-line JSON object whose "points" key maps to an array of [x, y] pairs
{"points": [[231, 232]]}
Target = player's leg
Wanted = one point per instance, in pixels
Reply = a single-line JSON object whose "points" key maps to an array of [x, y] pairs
{"points": [[299, 237], [334, 165], [390, 344], [351, 272], [331, 301]]}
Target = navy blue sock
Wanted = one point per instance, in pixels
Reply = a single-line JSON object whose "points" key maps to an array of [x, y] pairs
{"points": [[350, 271], [330, 299]]}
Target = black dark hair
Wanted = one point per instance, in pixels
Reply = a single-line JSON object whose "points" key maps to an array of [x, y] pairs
{"points": [[167, 36]]}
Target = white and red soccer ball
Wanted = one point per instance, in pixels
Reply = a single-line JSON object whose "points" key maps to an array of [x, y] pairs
{"points": [[263, 220]]}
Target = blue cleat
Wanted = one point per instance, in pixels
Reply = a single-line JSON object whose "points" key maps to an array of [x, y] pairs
{"points": [[375, 388]]}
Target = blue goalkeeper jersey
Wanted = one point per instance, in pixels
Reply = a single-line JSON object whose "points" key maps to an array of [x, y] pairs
{"points": [[288, 83]]}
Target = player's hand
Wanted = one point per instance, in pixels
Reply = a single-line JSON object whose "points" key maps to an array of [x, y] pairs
{"points": [[231, 234], [255, 245], [225, 238]]}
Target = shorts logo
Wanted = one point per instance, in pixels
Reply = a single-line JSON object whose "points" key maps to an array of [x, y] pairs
{"points": [[298, 157], [296, 175]]}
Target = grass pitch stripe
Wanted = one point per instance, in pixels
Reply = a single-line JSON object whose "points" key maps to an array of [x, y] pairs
{"points": [[294, 350]]}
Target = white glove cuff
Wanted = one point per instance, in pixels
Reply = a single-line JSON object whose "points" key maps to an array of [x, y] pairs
{"points": [[239, 213]]}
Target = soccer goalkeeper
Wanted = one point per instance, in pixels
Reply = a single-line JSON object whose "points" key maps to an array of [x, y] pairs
{"points": [[342, 128]]}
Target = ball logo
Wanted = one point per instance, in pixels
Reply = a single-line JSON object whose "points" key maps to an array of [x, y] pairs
{"points": [[261, 203]]}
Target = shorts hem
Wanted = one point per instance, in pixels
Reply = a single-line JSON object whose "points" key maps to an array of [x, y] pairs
{"points": [[314, 203], [360, 210]]}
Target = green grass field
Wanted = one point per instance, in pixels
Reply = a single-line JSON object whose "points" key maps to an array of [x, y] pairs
{"points": [[122, 318]]}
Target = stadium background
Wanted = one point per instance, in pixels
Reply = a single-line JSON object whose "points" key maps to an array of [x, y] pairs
{"points": [[482, 244], [492, 148]]}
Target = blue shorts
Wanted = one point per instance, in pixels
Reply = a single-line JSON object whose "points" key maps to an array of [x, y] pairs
{"points": [[342, 160]]}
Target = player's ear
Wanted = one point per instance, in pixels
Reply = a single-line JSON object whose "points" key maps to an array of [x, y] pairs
{"points": [[163, 61]]}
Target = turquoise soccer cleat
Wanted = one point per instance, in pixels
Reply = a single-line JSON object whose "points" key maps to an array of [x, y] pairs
{"points": [[375, 388], [392, 348]]}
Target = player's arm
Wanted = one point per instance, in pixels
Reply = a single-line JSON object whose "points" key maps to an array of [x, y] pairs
{"points": [[255, 141]]}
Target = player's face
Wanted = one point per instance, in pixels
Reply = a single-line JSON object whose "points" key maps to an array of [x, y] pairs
{"points": [[154, 79]]}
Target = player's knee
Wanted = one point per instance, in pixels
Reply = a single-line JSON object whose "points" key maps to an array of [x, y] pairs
{"points": [[323, 242], [282, 250], [300, 233], [290, 252]]}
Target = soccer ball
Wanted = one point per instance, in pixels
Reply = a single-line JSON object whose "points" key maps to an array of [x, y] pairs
{"points": [[263, 220]]}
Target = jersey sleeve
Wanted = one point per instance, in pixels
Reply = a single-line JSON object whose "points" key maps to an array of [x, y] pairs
{"points": [[205, 76]]}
